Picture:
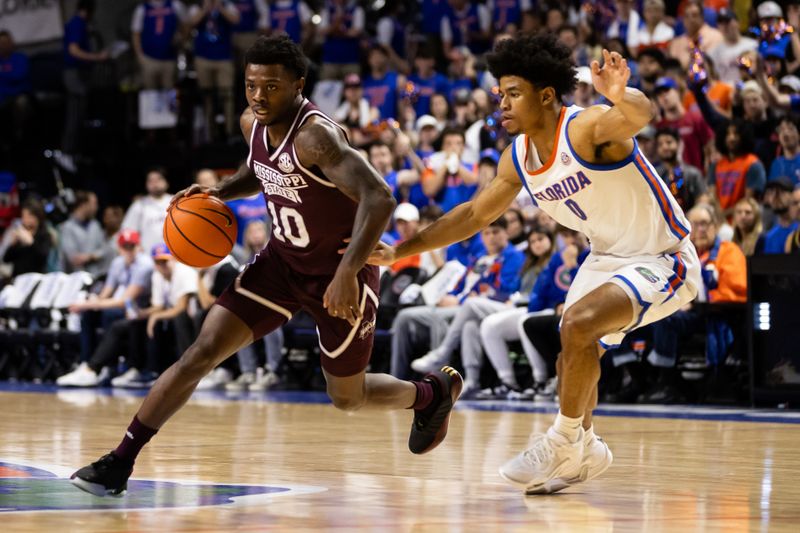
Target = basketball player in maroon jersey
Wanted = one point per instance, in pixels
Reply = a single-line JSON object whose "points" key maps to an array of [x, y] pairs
{"points": [[319, 191]]}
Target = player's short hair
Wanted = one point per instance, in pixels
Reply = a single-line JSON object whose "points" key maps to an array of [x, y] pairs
{"points": [[499, 223], [158, 170], [540, 59], [791, 119], [672, 132], [747, 139], [431, 212], [81, 197], [453, 131], [277, 50], [377, 144], [86, 5]]}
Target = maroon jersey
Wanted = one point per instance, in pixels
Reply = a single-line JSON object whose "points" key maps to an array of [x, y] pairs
{"points": [[310, 216]]}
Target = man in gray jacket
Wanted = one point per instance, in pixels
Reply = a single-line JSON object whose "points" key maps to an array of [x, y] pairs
{"points": [[82, 242]]}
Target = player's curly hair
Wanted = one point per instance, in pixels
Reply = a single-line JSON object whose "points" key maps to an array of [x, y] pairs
{"points": [[540, 59], [277, 50]]}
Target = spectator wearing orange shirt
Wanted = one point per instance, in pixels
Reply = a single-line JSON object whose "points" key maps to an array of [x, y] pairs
{"points": [[724, 280], [718, 93], [738, 173]]}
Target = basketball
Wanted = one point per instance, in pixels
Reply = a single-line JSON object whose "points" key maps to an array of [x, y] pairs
{"points": [[200, 230]]}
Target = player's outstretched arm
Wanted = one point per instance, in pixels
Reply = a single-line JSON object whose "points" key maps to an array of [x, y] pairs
{"points": [[631, 112], [468, 218]]}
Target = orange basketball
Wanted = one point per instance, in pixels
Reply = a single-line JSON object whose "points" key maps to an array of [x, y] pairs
{"points": [[200, 230]]}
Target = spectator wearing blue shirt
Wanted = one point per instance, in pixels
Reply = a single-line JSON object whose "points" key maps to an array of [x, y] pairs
{"points": [[214, 21], [788, 163], [78, 60], [778, 195], [392, 34], [425, 81], [127, 284], [382, 87], [466, 23], [399, 181], [487, 284], [342, 26], [507, 14], [451, 181], [15, 86], [252, 20], [154, 26], [292, 17]]}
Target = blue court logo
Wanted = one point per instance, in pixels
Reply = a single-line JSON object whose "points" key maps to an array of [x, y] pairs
{"points": [[25, 488]]}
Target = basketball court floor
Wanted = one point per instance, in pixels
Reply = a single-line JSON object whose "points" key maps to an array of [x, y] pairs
{"points": [[289, 462]]}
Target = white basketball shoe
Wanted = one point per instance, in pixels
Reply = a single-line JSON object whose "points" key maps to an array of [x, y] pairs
{"points": [[597, 456], [551, 464]]}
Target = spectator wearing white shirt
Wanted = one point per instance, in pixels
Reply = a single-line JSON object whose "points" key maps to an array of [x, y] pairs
{"points": [[147, 214], [726, 54], [654, 32]]}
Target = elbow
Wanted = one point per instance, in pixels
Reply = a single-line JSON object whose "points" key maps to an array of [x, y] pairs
{"points": [[386, 204]]}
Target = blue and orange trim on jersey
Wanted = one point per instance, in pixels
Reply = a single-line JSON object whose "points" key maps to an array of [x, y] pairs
{"points": [[667, 210], [520, 173], [675, 280]]}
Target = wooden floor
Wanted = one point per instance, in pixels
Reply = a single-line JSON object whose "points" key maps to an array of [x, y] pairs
{"points": [[325, 470]]}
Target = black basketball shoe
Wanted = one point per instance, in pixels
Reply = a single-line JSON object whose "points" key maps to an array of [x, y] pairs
{"points": [[108, 476], [430, 424]]}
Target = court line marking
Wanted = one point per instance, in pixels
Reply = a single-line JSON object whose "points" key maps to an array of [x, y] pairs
{"points": [[686, 412]]}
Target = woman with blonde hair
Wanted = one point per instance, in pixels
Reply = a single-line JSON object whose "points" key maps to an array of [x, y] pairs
{"points": [[747, 225]]}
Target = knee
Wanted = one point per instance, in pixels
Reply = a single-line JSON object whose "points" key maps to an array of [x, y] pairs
{"points": [[578, 326], [345, 402], [486, 328], [198, 360]]}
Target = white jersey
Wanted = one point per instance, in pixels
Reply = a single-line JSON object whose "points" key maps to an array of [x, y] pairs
{"points": [[623, 208]]}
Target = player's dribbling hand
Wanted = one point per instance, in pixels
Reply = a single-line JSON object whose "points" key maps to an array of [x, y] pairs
{"points": [[192, 189], [341, 298], [612, 78]]}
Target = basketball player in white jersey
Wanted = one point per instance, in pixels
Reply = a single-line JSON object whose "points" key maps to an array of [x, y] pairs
{"points": [[582, 167]]}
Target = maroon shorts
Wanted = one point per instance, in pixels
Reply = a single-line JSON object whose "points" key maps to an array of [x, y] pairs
{"points": [[266, 295]]}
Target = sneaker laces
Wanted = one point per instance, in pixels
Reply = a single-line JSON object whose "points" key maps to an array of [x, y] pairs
{"points": [[540, 452]]}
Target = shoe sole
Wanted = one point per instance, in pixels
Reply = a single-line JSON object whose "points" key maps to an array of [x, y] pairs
{"points": [[558, 484], [96, 488], [457, 384], [548, 487]]}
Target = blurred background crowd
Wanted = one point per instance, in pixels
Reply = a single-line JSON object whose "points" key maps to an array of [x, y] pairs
{"points": [[124, 103]]}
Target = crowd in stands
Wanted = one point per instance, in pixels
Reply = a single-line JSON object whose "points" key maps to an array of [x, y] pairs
{"points": [[410, 84]]}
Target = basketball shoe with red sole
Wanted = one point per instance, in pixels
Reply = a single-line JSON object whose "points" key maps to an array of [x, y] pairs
{"points": [[430, 424]]}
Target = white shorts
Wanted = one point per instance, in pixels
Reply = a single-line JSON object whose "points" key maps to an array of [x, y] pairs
{"points": [[658, 285]]}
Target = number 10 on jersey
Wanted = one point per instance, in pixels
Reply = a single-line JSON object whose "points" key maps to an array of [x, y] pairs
{"points": [[289, 225]]}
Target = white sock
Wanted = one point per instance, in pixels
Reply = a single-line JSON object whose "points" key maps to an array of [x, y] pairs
{"points": [[588, 435], [568, 427]]}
